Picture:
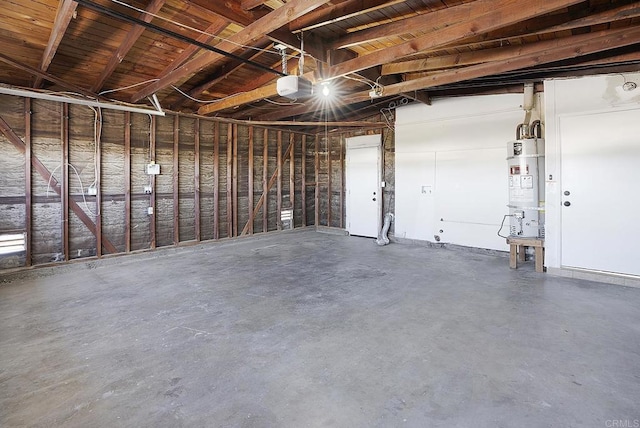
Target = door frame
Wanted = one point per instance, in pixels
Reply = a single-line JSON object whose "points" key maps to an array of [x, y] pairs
{"points": [[359, 142]]}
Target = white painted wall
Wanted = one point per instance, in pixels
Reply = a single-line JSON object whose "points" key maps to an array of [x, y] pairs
{"points": [[588, 99], [451, 169]]}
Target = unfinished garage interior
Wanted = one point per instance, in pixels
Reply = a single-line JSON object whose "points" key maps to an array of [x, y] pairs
{"points": [[305, 213]]}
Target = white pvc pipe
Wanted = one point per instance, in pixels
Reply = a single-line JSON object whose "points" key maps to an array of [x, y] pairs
{"points": [[50, 97]]}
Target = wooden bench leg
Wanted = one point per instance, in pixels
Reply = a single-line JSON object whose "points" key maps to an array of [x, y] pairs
{"points": [[522, 253], [513, 259], [539, 259]]}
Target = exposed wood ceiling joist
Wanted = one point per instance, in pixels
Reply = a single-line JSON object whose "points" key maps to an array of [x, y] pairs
{"points": [[250, 33], [528, 55], [66, 11], [475, 18], [47, 76], [128, 42]]}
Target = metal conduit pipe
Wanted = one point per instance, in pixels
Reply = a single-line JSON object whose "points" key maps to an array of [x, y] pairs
{"points": [[383, 239]]}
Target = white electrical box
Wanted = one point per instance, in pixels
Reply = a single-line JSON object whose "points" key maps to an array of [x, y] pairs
{"points": [[153, 168], [150, 210]]}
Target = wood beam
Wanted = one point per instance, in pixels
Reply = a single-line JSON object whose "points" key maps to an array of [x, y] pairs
{"points": [[125, 46], [227, 70], [265, 188], [51, 78], [216, 180], [526, 56], [279, 162], [27, 181], [252, 32], [228, 10], [476, 57], [64, 142], [47, 176], [467, 20], [235, 206], [250, 180], [152, 199], [338, 12], [229, 177], [176, 179], [66, 12], [215, 29], [251, 4], [316, 195], [303, 173], [98, 196], [127, 181], [292, 178], [196, 180]]}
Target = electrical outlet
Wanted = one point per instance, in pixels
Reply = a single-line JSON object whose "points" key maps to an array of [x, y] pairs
{"points": [[148, 189], [92, 191], [150, 210], [518, 214]]}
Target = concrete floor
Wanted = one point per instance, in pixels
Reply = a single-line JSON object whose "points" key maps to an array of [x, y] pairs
{"points": [[310, 329]]}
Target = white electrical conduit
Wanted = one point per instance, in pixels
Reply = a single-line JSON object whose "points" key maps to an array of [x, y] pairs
{"points": [[91, 103]]}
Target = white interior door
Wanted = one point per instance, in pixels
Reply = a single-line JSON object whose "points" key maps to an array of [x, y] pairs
{"points": [[600, 203], [362, 182]]}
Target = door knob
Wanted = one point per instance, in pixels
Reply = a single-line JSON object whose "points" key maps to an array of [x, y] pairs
{"points": [[567, 193], [567, 203], [374, 199]]}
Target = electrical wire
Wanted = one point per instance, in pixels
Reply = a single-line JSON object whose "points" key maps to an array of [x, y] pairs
{"points": [[188, 27], [502, 225], [293, 103], [128, 87]]}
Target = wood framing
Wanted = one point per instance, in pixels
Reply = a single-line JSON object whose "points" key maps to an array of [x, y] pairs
{"points": [[28, 205], [216, 180], [176, 179], [152, 198], [250, 180], [127, 182], [66, 11], [196, 181], [64, 175]]}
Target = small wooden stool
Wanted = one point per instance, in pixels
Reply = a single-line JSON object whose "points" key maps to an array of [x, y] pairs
{"points": [[517, 248]]}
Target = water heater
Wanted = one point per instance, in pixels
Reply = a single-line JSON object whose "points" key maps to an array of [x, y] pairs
{"points": [[525, 157]]}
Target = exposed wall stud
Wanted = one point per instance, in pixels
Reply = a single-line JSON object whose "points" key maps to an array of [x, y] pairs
{"points": [[303, 190], [279, 173], [176, 177], [127, 181], [229, 170], [64, 138], [27, 181], [316, 195], [196, 179], [250, 180], [152, 202], [216, 180], [265, 190]]}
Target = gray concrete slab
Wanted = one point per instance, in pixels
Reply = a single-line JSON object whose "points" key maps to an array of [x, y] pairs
{"points": [[309, 329]]}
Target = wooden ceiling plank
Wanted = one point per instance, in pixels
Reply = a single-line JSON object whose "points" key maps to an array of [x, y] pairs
{"points": [[251, 4], [254, 31], [480, 16], [527, 56], [229, 11], [215, 29], [66, 11], [47, 76], [339, 12], [126, 45], [475, 57]]}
